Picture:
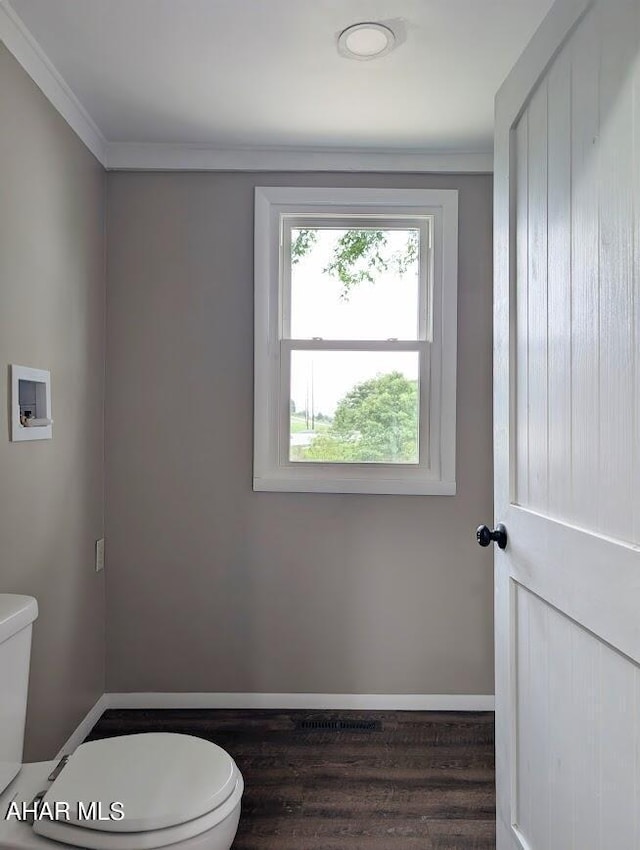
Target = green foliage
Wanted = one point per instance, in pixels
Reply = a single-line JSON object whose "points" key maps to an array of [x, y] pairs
{"points": [[411, 252], [302, 244], [359, 255], [303, 421], [328, 448], [376, 422]]}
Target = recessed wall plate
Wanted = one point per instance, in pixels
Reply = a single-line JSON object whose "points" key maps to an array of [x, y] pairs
{"points": [[30, 404]]}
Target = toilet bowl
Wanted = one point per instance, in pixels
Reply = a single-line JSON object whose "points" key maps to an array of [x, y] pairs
{"points": [[132, 792]]}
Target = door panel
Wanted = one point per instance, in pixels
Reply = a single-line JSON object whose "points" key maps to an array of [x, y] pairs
{"points": [[619, 27], [576, 389], [534, 295], [559, 502], [567, 434], [585, 60], [577, 736]]}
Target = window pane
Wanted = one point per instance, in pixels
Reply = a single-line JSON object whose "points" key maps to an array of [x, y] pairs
{"points": [[354, 283], [354, 407]]}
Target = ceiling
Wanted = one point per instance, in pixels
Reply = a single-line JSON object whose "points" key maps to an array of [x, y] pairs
{"points": [[267, 73]]}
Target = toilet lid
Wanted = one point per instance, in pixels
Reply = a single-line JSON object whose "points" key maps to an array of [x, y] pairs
{"points": [[160, 779]]}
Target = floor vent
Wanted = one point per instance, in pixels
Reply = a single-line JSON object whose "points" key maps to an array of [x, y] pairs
{"points": [[339, 725]]}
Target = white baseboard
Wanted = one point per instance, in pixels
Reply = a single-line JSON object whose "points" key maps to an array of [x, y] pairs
{"points": [[85, 726], [327, 702], [358, 702]]}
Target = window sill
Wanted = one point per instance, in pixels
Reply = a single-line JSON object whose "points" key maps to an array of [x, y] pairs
{"points": [[366, 486]]}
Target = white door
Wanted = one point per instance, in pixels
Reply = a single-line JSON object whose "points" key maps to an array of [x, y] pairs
{"points": [[567, 434]]}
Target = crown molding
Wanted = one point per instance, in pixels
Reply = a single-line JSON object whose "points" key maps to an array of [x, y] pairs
{"points": [[130, 156], [27, 51], [134, 156]]}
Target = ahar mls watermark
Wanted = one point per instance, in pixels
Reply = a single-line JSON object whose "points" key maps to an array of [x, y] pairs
{"points": [[60, 811]]}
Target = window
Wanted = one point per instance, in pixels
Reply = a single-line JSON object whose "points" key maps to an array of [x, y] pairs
{"points": [[355, 340]]}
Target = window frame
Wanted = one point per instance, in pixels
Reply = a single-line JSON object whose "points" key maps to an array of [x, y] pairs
{"points": [[436, 340]]}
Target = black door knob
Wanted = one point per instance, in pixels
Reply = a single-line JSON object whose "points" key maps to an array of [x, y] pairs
{"points": [[485, 536]]}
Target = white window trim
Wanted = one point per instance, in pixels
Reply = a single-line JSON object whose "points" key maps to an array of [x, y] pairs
{"points": [[438, 355]]}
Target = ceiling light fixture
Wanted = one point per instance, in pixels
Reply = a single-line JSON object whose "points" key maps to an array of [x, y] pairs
{"points": [[365, 41]]}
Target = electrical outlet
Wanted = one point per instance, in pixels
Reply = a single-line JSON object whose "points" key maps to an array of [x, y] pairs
{"points": [[99, 554]]}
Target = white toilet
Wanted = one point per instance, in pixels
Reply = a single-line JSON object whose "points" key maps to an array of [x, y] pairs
{"points": [[136, 792]]}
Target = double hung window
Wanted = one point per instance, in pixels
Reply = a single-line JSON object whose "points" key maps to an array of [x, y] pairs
{"points": [[355, 340]]}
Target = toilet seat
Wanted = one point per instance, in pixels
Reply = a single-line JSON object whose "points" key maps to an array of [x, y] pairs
{"points": [[171, 787]]}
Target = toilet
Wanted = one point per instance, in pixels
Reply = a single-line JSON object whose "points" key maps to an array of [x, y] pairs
{"points": [[132, 792]]}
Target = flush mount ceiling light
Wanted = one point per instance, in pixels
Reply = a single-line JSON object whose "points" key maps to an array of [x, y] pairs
{"points": [[366, 41]]}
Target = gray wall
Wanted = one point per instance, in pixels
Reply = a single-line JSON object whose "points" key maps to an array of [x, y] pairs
{"points": [[52, 295], [212, 587]]}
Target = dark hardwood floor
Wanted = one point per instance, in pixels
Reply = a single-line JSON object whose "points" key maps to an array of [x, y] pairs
{"points": [[416, 780]]}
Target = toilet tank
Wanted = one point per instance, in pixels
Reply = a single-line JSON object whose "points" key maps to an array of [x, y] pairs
{"points": [[17, 613]]}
